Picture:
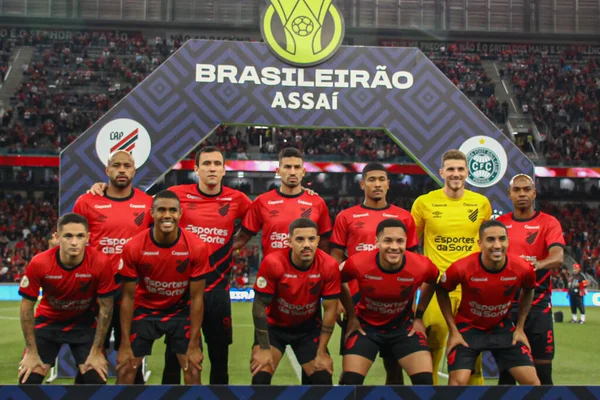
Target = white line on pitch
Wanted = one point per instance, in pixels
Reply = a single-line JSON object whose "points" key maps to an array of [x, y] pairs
{"points": [[294, 361]]}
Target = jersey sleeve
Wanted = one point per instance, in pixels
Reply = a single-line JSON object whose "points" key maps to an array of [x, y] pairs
{"points": [[253, 222], [267, 277], [127, 266], [451, 278], [332, 284], [106, 280], [431, 271], [418, 217], [324, 222], [554, 234], [244, 204], [486, 209], [412, 239], [529, 278], [80, 207], [349, 272], [200, 264], [339, 236], [31, 281]]}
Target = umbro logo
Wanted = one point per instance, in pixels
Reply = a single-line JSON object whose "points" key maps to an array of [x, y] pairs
{"points": [[139, 219], [473, 215], [101, 218], [274, 213], [531, 238], [359, 225], [306, 213], [223, 211]]}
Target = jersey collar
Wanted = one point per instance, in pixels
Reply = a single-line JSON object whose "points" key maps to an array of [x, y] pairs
{"points": [[63, 266], [385, 271], [209, 195], [129, 197], [374, 208], [297, 267], [489, 270], [289, 196], [526, 219], [165, 246]]}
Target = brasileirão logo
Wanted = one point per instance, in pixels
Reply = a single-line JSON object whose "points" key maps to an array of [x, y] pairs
{"points": [[298, 33]]}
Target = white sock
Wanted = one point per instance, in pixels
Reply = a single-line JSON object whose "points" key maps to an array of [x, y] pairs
{"points": [[575, 317], [582, 317]]}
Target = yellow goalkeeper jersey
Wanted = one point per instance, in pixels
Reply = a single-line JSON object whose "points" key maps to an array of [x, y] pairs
{"points": [[450, 227]]}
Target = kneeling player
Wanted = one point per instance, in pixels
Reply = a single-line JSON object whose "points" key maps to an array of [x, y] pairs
{"points": [[170, 265], [75, 278], [489, 280], [388, 279], [289, 286]]}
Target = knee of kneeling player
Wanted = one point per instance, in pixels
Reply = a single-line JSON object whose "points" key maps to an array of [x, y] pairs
{"points": [[352, 378], [262, 378], [422, 378], [321, 378], [33, 379], [92, 378]]}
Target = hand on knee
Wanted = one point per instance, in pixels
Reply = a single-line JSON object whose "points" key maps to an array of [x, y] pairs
{"points": [[33, 379], [352, 378], [321, 378], [262, 378], [422, 378]]}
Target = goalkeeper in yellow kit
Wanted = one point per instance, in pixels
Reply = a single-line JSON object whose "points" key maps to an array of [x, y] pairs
{"points": [[449, 220]]}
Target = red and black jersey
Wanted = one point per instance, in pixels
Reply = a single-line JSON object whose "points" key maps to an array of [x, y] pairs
{"points": [[164, 272], [486, 295], [387, 296], [68, 293], [295, 292], [112, 222], [273, 212], [212, 218], [532, 239], [354, 230]]}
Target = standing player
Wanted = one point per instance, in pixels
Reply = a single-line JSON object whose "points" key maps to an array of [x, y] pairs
{"points": [[449, 220], [576, 294], [210, 210], [170, 265], [75, 279], [274, 211], [289, 287], [354, 231], [489, 280], [537, 238], [116, 212], [388, 280]]}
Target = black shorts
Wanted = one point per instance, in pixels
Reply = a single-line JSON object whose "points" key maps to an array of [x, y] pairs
{"points": [[149, 325], [115, 327], [50, 336], [216, 325], [389, 341], [539, 328], [498, 341], [303, 339]]}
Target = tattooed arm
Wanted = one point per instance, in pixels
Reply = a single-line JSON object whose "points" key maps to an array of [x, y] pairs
{"points": [[323, 361], [262, 359], [96, 359], [31, 360]]}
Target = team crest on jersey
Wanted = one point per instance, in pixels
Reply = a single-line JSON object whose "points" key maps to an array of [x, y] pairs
{"points": [[182, 265], [306, 213], [223, 211], [316, 288], [405, 291], [84, 286], [261, 282], [25, 282], [531, 237], [139, 219], [508, 289], [473, 214]]}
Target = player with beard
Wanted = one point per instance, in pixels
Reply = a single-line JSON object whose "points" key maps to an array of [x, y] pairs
{"points": [[383, 321], [115, 212], [354, 232], [76, 281], [449, 220], [537, 238], [170, 265], [274, 211], [289, 287], [489, 279]]}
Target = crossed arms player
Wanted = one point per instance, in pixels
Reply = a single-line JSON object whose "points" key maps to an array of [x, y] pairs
{"points": [[382, 321], [289, 287], [169, 265], [537, 238], [449, 220], [354, 232], [76, 307], [489, 280]]}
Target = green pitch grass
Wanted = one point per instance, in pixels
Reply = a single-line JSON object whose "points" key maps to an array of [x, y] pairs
{"points": [[575, 363]]}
